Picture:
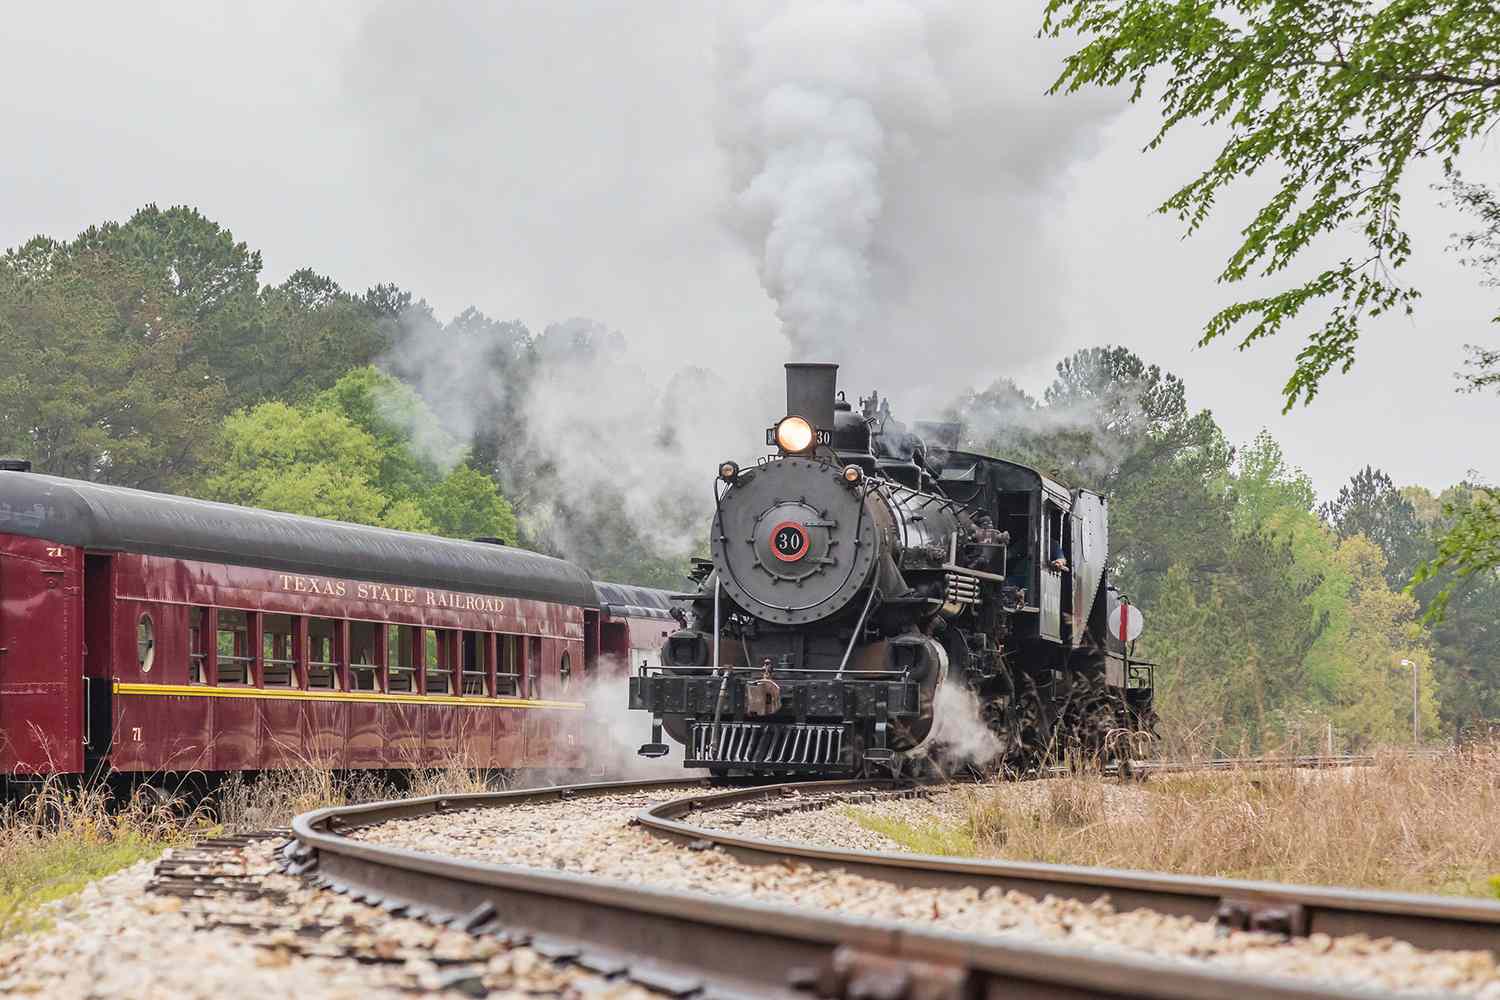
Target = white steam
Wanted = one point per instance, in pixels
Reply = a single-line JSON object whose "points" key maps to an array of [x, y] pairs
{"points": [[617, 432], [826, 95], [466, 371], [960, 738], [615, 733], [583, 420], [891, 165]]}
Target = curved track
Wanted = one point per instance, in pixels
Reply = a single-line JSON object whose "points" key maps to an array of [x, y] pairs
{"points": [[682, 943], [1425, 921]]}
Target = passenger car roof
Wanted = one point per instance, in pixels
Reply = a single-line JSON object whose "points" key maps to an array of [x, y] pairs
{"points": [[117, 519]]}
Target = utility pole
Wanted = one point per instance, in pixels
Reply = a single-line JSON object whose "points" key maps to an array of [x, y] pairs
{"points": [[1416, 732]]}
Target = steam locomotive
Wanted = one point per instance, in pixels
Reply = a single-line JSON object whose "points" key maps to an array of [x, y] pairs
{"points": [[881, 602]]}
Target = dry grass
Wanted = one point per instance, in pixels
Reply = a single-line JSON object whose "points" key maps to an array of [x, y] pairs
{"points": [[62, 836], [1408, 824]]}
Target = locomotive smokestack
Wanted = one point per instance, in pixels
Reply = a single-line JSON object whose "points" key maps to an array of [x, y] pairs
{"points": [[810, 391]]}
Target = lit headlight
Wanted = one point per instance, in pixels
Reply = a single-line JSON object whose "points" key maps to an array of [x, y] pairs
{"points": [[794, 434]]}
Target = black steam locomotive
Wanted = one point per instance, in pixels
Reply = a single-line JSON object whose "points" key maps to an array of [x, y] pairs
{"points": [[879, 602]]}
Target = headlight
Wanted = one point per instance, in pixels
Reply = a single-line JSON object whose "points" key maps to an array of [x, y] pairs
{"points": [[728, 470], [853, 474], [794, 434]]}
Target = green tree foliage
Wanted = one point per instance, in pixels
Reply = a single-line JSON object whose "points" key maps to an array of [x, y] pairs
{"points": [[122, 350], [126, 353], [1469, 548], [1374, 701], [308, 331], [98, 374], [312, 462], [356, 453], [467, 504], [1370, 505], [1338, 97], [1469, 553]]}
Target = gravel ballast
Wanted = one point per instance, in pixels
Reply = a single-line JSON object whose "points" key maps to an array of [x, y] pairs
{"points": [[115, 939], [594, 836]]}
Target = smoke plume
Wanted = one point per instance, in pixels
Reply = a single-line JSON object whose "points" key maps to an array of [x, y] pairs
{"points": [[625, 440], [891, 165]]}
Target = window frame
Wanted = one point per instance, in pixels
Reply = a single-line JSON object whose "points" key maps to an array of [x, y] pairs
{"points": [[405, 663], [334, 666], [245, 646], [484, 659], [199, 672], [284, 652], [374, 669], [440, 664], [145, 625], [531, 668], [515, 677]]}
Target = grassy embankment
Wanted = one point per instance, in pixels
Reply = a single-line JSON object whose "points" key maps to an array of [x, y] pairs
{"points": [[1404, 824], [61, 837]]}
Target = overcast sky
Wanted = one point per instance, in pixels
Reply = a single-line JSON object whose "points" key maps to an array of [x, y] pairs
{"points": [[550, 160]]}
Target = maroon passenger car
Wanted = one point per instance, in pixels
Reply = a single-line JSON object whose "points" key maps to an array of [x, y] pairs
{"points": [[145, 633]]}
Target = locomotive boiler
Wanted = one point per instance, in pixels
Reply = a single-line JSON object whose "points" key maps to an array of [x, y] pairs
{"points": [[879, 601]]}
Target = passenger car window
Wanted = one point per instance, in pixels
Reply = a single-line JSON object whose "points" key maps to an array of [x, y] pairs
{"points": [[145, 644]]}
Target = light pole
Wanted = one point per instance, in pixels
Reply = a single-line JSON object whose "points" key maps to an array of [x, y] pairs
{"points": [[1416, 733]]}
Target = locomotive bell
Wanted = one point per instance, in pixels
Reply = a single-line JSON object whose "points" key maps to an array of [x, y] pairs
{"points": [[793, 542]]}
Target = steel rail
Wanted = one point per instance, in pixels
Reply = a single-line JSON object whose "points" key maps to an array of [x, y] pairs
{"points": [[692, 944], [1435, 922]]}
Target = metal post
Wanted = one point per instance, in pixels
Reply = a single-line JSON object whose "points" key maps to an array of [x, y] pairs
{"points": [[713, 737], [1416, 730], [859, 627], [717, 588]]}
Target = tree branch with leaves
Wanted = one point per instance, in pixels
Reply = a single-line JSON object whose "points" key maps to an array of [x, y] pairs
{"points": [[1339, 96]]}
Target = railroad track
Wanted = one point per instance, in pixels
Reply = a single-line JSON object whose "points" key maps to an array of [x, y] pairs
{"points": [[686, 944], [1435, 922]]}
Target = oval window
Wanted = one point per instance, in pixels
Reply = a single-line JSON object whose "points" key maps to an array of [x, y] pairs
{"points": [[565, 670], [145, 644]]}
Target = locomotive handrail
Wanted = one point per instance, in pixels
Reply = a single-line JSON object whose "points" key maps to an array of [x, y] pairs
{"points": [[785, 672]]}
